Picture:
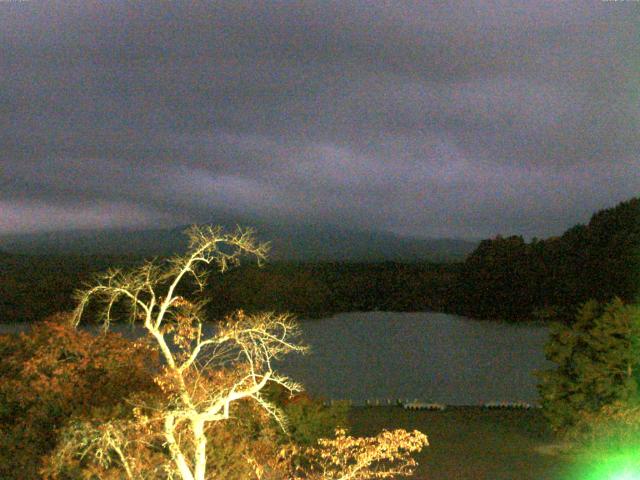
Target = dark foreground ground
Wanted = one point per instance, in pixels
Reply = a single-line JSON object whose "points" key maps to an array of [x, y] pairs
{"points": [[470, 443]]}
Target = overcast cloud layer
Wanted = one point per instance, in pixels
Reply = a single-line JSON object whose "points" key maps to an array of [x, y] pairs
{"points": [[429, 119]]}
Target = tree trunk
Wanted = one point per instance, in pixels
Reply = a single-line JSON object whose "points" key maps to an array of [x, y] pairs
{"points": [[174, 449], [201, 445]]}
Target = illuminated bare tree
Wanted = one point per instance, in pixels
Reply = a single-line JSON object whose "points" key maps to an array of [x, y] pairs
{"points": [[202, 375]]}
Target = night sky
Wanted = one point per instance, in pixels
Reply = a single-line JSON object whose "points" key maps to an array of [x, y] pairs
{"points": [[431, 119]]}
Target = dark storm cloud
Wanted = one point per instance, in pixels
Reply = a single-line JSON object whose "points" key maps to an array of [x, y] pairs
{"points": [[427, 119]]}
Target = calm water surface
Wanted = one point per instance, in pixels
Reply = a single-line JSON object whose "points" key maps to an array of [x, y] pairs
{"points": [[428, 356]]}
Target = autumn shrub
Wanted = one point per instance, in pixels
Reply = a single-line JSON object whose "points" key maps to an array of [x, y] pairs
{"points": [[310, 419], [53, 373], [249, 439], [386, 455], [307, 419]]}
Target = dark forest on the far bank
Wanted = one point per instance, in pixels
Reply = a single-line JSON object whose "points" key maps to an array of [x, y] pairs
{"points": [[504, 278]]}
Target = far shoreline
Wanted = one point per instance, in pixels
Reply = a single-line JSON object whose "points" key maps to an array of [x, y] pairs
{"points": [[327, 315]]}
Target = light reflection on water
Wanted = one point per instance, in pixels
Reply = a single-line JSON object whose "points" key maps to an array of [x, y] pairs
{"points": [[428, 356]]}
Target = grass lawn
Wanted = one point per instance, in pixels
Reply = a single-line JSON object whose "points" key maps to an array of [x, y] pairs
{"points": [[472, 443]]}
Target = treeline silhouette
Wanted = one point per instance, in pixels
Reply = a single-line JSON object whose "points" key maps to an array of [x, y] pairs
{"points": [[507, 278], [320, 289], [35, 287], [504, 278]]}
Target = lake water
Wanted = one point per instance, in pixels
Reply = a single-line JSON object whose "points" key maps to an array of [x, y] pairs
{"points": [[432, 357]]}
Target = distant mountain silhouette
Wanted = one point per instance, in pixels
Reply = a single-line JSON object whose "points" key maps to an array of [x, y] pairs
{"points": [[298, 242]]}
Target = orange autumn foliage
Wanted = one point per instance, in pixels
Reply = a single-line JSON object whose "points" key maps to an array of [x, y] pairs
{"points": [[386, 455], [54, 372]]}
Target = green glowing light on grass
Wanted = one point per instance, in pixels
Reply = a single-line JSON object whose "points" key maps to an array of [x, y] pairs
{"points": [[623, 465], [626, 476]]}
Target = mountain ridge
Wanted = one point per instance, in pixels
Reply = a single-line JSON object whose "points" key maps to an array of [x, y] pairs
{"points": [[289, 242]]}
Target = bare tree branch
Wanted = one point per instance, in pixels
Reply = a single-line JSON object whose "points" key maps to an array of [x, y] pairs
{"points": [[242, 343]]}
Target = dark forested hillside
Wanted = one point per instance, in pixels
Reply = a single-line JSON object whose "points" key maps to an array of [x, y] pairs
{"points": [[318, 289], [503, 278], [34, 287], [511, 279]]}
